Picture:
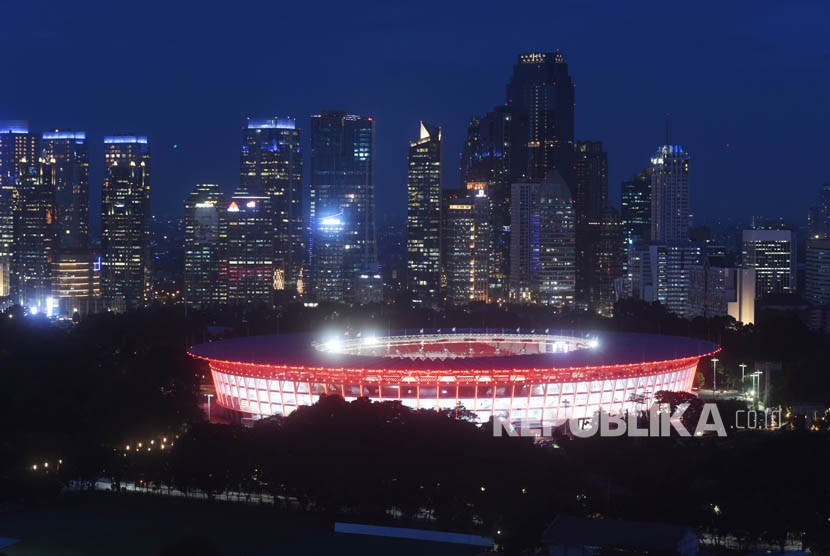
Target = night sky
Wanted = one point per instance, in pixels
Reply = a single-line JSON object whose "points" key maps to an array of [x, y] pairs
{"points": [[746, 83]]}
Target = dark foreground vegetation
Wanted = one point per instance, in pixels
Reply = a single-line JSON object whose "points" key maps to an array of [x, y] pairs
{"points": [[78, 394]]}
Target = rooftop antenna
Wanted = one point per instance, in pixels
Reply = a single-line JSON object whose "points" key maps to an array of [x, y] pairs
{"points": [[667, 128]]}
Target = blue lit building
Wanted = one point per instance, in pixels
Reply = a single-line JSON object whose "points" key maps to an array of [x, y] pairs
{"points": [[67, 155], [342, 186], [271, 163]]}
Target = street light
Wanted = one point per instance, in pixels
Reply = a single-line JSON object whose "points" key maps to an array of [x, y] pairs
{"points": [[209, 396], [743, 372], [758, 384], [715, 377]]}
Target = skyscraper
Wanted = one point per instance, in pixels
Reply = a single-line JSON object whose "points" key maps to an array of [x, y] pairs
{"points": [[343, 189], [423, 217], [16, 144], [272, 163], [635, 207], [250, 248], [670, 194], [125, 222], [662, 272], [486, 160], [75, 281], [468, 245], [605, 264], [205, 237], [543, 250], [540, 97], [818, 217], [817, 272], [67, 157], [35, 217], [772, 254], [590, 186]]}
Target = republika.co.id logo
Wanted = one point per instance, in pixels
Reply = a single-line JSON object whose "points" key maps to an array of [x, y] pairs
{"points": [[659, 421]]}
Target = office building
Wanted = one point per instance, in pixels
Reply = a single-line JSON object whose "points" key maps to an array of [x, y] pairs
{"points": [[271, 162], [468, 246], [540, 98], [635, 207], [543, 243], [716, 290], [125, 222], [817, 272], [772, 254], [76, 282], [67, 156], [35, 216], [818, 217], [423, 216], [605, 261], [250, 248], [662, 272], [590, 186], [329, 255], [670, 195], [486, 160], [16, 144], [342, 188], [205, 240]]}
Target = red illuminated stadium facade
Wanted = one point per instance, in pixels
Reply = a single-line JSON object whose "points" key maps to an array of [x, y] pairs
{"points": [[540, 378]]}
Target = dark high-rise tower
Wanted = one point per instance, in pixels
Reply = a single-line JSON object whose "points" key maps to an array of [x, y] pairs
{"points": [[272, 163], [540, 97], [67, 157], [125, 222], [423, 217], [342, 191], [818, 217], [486, 159], [590, 184], [16, 144], [205, 236], [636, 207]]}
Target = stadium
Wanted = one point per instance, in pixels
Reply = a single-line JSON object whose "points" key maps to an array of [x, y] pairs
{"points": [[533, 377]]}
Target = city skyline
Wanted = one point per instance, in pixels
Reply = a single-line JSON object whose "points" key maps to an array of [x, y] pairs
{"points": [[618, 103]]}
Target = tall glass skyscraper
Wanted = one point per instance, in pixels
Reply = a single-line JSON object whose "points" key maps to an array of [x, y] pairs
{"points": [[205, 236], [543, 243], [250, 248], [76, 284], [540, 97], [670, 194], [486, 159], [16, 144], [635, 207], [125, 222], [67, 155], [423, 216], [590, 186], [342, 190], [35, 216], [271, 163]]}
